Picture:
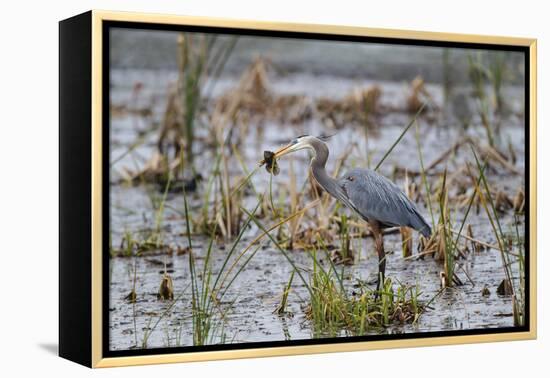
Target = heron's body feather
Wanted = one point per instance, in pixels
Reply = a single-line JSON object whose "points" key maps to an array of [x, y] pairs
{"points": [[374, 197]]}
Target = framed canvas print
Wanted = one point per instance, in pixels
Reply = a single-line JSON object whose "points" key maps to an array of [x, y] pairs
{"points": [[234, 189]]}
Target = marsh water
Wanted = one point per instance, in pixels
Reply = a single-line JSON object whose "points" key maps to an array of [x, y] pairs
{"points": [[256, 293]]}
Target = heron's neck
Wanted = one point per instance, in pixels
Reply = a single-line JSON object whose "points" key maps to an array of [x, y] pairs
{"points": [[320, 154], [320, 174]]}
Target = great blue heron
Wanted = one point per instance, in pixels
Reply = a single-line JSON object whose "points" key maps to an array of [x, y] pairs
{"points": [[372, 196]]}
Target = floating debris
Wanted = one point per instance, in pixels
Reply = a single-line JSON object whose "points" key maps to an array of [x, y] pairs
{"points": [[519, 201], [503, 202], [157, 169], [178, 250], [131, 297], [340, 258], [505, 288], [159, 263], [442, 279], [485, 292], [166, 289]]}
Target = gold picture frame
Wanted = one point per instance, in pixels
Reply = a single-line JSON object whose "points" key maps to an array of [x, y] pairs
{"points": [[91, 24]]}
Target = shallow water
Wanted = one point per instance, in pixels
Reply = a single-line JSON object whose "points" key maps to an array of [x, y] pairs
{"points": [[256, 292]]}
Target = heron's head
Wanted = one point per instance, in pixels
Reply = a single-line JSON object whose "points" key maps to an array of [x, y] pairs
{"points": [[301, 143]]}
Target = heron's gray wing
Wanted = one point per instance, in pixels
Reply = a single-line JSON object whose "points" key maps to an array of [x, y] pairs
{"points": [[375, 197]]}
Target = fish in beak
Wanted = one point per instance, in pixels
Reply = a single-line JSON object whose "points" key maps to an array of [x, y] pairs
{"points": [[270, 162], [270, 157]]}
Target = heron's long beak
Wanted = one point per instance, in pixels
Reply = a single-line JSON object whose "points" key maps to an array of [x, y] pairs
{"points": [[292, 147], [285, 150]]}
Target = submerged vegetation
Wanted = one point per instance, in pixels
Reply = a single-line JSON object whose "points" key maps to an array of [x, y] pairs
{"points": [[207, 239]]}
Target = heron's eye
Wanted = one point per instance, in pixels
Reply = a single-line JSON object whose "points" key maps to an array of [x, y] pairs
{"points": [[351, 178]]}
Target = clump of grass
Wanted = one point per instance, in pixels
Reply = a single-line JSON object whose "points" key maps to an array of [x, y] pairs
{"points": [[294, 199], [498, 72], [252, 98], [210, 286], [418, 96], [510, 286], [443, 243], [490, 106], [518, 300], [192, 62], [344, 254], [136, 245], [282, 308], [479, 75], [333, 309], [445, 226], [208, 328], [200, 58], [359, 107], [127, 246], [132, 296], [221, 211]]}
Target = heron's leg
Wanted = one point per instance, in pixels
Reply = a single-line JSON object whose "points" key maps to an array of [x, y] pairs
{"points": [[379, 245]]}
